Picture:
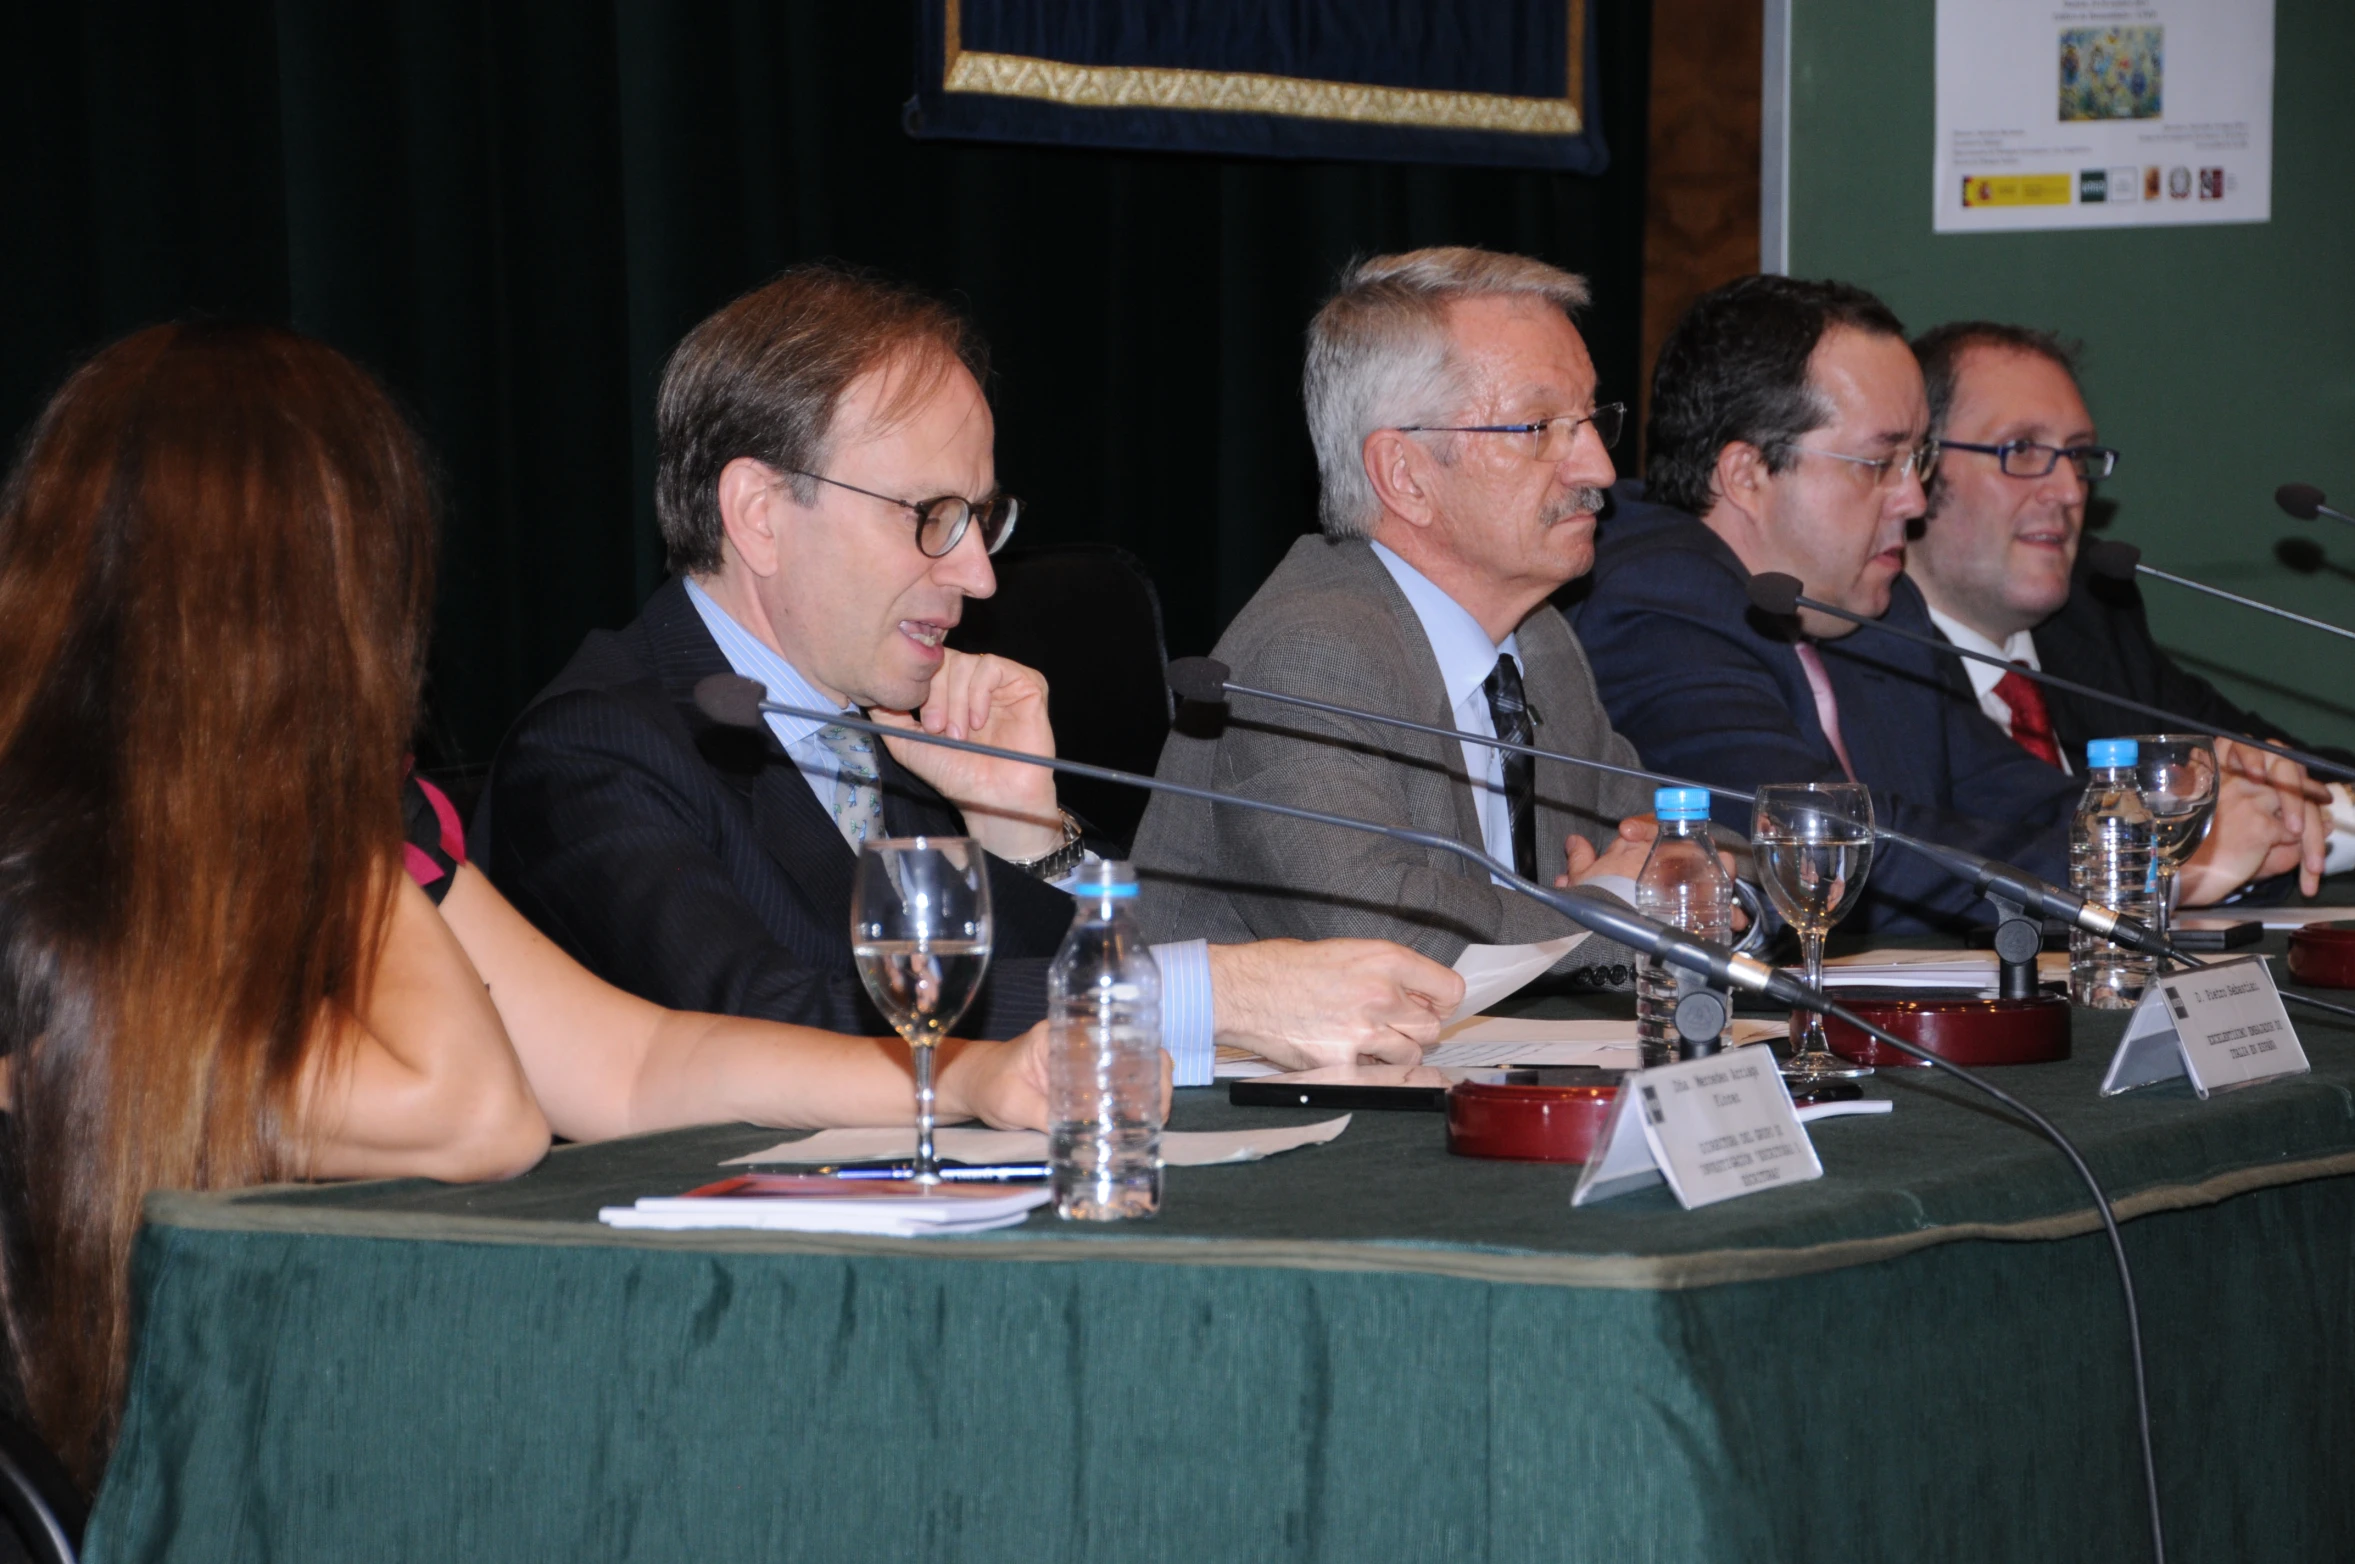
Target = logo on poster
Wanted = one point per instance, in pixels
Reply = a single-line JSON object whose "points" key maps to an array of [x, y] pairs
{"points": [[2016, 189], [2179, 183], [2150, 183], [2093, 184], [2211, 184]]}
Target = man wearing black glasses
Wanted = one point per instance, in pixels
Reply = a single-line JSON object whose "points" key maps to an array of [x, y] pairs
{"points": [[1463, 454], [827, 490], [1997, 561], [1791, 432]]}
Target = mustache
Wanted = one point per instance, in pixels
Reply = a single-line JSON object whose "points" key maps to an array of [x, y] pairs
{"points": [[1578, 502]]}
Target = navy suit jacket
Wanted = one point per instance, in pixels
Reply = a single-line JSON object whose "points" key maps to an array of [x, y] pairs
{"points": [[1707, 687], [2101, 637], [690, 863]]}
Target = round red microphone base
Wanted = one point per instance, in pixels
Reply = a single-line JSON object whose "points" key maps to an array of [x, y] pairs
{"points": [[1965, 1029], [2323, 954], [1526, 1123]]}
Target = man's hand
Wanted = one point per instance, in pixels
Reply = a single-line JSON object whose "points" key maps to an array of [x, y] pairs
{"points": [[1307, 1005], [2305, 809], [2248, 839], [1009, 807], [1624, 856]]}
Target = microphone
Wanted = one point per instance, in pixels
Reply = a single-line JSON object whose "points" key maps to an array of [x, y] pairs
{"points": [[2012, 889], [741, 703], [1780, 595], [2114, 560], [2304, 501]]}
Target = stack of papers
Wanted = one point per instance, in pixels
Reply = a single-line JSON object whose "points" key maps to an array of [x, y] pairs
{"points": [[1495, 1042], [802, 1204], [1973, 970], [1179, 1148]]}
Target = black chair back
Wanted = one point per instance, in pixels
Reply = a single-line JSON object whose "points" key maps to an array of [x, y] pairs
{"points": [[1086, 616]]}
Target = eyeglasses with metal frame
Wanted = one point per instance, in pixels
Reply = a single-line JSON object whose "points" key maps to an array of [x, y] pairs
{"points": [[1555, 436], [1887, 471], [941, 522], [2035, 459]]}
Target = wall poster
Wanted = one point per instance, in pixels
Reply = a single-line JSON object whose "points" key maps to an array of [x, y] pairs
{"points": [[2102, 114]]}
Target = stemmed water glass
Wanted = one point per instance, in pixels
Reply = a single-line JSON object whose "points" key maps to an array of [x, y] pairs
{"points": [[1814, 845], [2177, 776], [920, 931]]}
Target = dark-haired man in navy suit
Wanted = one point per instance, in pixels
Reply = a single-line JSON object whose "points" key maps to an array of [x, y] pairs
{"points": [[1790, 433], [827, 492]]}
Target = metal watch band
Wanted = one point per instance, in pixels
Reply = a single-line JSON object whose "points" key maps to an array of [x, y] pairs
{"points": [[1060, 862]]}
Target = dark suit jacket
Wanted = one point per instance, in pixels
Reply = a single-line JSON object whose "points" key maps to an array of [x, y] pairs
{"points": [[1709, 688], [691, 864], [2100, 637]]}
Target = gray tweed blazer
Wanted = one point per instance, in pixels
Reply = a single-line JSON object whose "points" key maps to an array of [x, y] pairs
{"points": [[1332, 625]]}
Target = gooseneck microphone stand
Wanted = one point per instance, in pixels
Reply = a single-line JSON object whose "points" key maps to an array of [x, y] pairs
{"points": [[742, 703]]}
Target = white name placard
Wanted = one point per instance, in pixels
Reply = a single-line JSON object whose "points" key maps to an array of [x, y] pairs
{"points": [[2223, 1026], [1714, 1128]]}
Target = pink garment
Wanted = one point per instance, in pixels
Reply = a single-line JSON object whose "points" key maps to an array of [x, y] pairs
{"points": [[1827, 708]]}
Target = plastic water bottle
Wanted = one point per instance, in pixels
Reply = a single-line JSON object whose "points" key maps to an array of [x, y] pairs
{"points": [[1104, 1056], [1683, 883], [2110, 862]]}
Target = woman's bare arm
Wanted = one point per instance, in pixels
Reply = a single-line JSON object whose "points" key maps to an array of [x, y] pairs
{"points": [[425, 1081], [605, 1063]]}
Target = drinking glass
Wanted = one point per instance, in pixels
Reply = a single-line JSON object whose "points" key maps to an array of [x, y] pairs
{"points": [[2176, 773], [920, 931], [1814, 845]]}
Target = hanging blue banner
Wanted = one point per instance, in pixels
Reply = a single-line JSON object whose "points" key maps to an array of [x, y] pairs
{"points": [[1503, 83]]}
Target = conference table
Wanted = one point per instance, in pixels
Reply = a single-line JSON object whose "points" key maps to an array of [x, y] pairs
{"points": [[1361, 1350]]}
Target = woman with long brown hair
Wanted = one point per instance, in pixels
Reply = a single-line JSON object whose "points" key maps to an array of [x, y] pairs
{"points": [[235, 945]]}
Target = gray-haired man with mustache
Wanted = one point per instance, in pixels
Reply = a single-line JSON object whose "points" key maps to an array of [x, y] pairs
{"points": [[1463, 458]]}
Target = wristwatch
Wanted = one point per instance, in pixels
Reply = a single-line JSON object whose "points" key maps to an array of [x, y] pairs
{"points": [[1062, 860]]}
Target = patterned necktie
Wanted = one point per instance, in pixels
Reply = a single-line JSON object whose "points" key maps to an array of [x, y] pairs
{"points": [[2031, 718], [858, 804], [1508, 710]]}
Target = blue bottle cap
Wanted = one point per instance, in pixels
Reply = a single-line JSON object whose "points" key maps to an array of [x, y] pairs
{"points": [[2109, 754], [1681, 803], [1104, 877]]}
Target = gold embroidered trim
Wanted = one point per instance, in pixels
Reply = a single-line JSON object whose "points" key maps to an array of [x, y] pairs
{"points": [[1222, 92]]}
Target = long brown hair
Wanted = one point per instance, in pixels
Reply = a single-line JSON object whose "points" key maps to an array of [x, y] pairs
{"points": [[216, 564]]}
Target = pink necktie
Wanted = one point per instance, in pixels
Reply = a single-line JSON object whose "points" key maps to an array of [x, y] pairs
{"points": [[1827, 710]]}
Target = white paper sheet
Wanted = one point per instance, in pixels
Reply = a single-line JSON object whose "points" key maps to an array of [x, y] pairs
{"points": [[2273, 917], [1490, 972], [2051, 115], [897, 1216], [1490, 1042], [1179, 1148]]}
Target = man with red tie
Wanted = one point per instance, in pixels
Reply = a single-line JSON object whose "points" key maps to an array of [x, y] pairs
{"points": [[1996, 560], [1791, 433]]}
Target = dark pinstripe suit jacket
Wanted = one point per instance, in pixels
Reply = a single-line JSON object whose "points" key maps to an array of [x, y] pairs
{"points": [[691, 864]]}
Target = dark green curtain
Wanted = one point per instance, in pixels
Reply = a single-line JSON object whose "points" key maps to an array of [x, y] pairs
{"points": [[511, 212]]}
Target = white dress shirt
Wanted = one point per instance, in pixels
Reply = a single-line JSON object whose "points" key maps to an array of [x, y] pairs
{"points": [[1186, 1000], [2019, 648]]}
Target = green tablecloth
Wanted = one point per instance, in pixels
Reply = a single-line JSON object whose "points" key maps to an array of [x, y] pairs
{"points": [[1365, 1350]]}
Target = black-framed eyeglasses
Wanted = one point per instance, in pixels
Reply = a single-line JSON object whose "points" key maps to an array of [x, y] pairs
{"points": [[1887, 471], [941, 522], [2035, 459], [1554, 436]]}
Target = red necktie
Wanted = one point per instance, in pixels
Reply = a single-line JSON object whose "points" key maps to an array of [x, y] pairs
{"points": [[2031, 721]]}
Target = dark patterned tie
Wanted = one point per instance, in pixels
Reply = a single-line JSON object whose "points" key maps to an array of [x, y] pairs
{"points": [[1508, 709]]}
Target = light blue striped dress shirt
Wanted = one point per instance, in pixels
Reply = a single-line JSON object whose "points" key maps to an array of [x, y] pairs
{"points": [[1186, 1016]]}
